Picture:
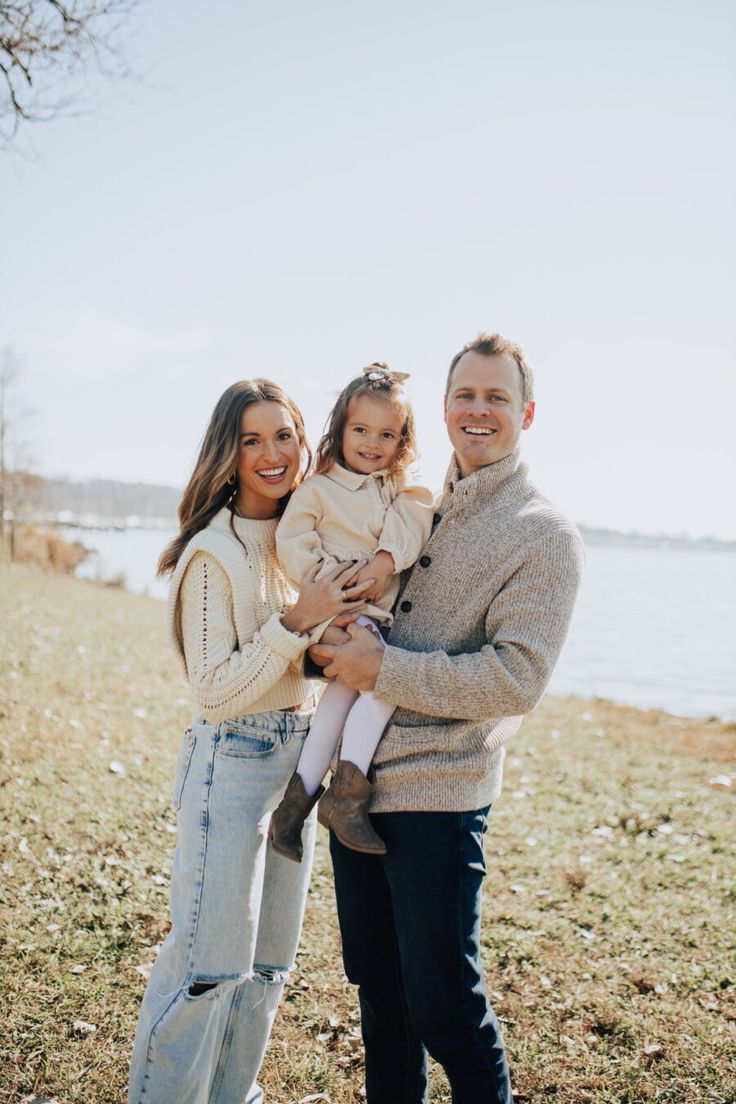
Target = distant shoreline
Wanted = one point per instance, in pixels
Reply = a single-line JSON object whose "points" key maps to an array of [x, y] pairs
{"points": [[591, 536], [114, 504]]}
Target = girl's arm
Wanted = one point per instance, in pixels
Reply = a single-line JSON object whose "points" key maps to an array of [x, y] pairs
{"points": [[298, 543], [407, 526]]}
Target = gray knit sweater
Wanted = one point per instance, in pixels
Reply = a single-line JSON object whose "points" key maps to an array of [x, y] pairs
{"points": [[478, 628]]}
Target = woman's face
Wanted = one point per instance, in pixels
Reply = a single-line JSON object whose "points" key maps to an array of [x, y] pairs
{"points": [[268, 459]]}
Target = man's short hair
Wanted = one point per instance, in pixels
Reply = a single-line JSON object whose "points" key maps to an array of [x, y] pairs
{"points": [[494, 344]]}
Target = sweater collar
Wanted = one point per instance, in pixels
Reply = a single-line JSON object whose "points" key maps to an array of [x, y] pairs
{"points": [[251, 529], [485, 481], [353, 481]]}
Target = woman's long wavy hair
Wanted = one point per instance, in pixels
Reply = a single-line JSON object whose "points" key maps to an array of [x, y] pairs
{"points": [[329, 450], [211, 485]]}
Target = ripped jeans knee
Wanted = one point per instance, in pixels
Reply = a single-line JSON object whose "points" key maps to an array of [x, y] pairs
{"points": [[270, 975], [265, 974], [198, 987]]}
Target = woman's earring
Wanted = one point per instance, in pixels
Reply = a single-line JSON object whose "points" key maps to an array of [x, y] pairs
{"points": [[231, 479]]}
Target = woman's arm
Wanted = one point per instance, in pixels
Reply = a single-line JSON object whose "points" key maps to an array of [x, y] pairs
{"points": [[221, 673]]}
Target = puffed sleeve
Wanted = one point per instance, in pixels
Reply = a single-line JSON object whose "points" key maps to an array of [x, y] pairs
{"points": [[298, 544], [407, 525]]}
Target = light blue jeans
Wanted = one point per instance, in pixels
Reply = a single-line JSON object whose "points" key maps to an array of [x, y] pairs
{"points": [[236, 911]]}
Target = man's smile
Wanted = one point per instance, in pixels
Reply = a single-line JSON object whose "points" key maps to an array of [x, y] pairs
{"points": [[478, 431]]}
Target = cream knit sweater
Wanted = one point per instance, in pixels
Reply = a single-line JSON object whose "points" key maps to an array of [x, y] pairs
{"points": [[477, 631], [224, 609]]}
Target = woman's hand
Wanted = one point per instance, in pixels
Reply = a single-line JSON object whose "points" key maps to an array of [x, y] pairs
{"points": [[321, 599]]}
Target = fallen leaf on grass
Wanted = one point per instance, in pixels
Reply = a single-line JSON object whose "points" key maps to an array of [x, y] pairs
{"points": [[314, 1098], [81, 1027], [79, 969], [654, 1050], [576, 879], [720, 782]]}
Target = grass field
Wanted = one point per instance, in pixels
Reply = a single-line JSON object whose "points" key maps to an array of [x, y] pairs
{"points": [[609, 903]]}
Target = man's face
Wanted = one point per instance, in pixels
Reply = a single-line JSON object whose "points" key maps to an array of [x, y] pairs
{"points": [[484, 411]]}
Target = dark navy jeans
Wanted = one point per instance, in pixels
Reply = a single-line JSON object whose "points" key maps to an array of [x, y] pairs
{"points": [[410, 924]]}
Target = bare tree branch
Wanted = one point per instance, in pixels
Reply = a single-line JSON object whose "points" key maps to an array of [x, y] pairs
{"points": [[48, 43]]}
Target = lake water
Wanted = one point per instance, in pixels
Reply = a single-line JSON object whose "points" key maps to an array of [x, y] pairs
{"points": [[654, 627]]}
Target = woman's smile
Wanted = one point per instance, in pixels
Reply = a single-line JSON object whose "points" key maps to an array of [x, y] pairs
{"points": [[268, 459]]}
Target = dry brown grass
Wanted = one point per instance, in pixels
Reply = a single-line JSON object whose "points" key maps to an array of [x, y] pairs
{"points": [[608, 928], [45, 548]]}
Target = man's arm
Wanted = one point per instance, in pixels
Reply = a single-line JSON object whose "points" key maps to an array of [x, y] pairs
{"points": [[526, 625]]}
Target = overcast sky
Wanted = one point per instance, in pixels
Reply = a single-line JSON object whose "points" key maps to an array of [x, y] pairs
{"points": [[295, 190]]}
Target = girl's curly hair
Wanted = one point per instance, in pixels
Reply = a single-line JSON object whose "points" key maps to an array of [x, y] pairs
{"points": [[378, 381]]}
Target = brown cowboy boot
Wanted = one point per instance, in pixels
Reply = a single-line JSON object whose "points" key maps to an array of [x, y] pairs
{"points": [[287, 819], [344, 809]]}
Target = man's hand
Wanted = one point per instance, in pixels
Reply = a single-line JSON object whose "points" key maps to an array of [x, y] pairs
{"points": [[380, 569], [334, 635], [355, 664]]}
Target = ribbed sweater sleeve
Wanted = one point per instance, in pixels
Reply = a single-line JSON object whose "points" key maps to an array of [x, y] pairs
{"points": [[221, 674], [526, 626]]}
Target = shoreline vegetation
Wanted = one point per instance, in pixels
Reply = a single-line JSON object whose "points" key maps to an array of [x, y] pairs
{"points": [[608, 927]]}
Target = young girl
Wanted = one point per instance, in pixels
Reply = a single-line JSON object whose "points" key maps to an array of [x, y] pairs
{"points": [[357, 507]]}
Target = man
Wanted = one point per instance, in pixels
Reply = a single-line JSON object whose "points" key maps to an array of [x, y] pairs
{"points": [[478, 628]]}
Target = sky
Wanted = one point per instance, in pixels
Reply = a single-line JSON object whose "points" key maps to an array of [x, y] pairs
{"points": [[295, 190]]}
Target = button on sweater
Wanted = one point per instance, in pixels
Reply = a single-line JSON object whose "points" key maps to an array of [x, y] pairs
{"points": [[476, 635]]}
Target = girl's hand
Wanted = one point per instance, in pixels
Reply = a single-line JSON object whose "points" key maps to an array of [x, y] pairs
{"points": [[321, 599], [380, 569]]}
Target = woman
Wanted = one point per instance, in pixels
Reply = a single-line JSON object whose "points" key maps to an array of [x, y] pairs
{"points": [[236, 905]]}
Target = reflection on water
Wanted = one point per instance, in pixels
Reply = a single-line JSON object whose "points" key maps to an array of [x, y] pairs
{"points": [[654, 627]]}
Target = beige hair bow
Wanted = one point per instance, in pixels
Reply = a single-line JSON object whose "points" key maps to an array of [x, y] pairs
{"points": [[379, 370]]}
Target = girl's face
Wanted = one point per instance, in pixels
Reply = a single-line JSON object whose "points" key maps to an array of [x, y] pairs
{"points": [[372, 434], [268, 459]]}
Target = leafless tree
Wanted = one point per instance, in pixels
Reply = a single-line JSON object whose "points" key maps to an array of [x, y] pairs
{"points": [[48, 47], [16, 478]]}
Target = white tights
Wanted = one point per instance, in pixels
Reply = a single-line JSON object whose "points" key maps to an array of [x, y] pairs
{"points": [[360, 718]]}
